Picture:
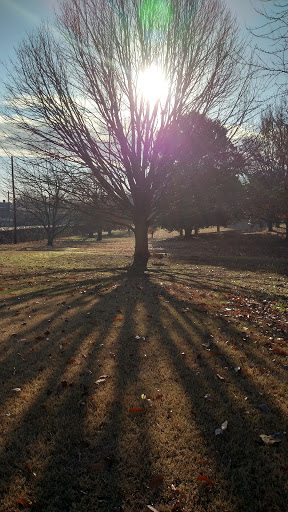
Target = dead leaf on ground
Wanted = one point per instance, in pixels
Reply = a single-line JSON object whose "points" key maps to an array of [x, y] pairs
{"points": [[24, 502], [211, 398], [176, 506], [28, 467], [220, 430], [136, 410], [272, 439], [96, 467], [203, 478], [101, 379], [152, 508]]}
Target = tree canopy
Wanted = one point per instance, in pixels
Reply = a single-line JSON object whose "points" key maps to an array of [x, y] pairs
{"points": [[205, 189]]}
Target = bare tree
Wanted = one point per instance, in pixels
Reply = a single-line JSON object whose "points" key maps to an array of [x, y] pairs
{"points": [[41, 192], [273, 32], [267, 167], [87, 91]]}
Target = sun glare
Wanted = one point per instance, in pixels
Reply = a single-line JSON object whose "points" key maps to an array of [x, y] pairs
{"points": [[153, 85]]}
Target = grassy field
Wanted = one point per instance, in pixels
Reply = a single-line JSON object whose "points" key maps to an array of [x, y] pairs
{"points": [[166, 392]]}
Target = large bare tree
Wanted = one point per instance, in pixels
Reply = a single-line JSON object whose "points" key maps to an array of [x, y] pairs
{"points": [[92, 91]]}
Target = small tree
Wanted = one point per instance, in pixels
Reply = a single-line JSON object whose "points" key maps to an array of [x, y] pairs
{"points": [[41, 192]]}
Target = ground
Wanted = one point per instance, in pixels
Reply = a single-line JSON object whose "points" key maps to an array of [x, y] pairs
{"points": [[123, 392]]}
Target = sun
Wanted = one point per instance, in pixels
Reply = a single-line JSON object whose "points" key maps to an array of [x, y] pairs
{"points": [[153, 85]]}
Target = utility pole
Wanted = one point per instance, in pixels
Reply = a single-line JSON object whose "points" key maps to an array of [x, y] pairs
{"points": [[14, 204], [9, 220]]}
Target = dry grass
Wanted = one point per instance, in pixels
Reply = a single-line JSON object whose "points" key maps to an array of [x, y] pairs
{"points": [[174, 336]]}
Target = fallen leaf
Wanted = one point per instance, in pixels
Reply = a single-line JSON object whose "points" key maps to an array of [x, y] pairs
{"points": [[152, 508], [211, 398], [28, 467], [277, 350], [16, 389], [201, 461], [272, 439], [205, 479], [101, 379], [70, 361], [24, 502], [135, 410], [220, 430], [96, 467]]}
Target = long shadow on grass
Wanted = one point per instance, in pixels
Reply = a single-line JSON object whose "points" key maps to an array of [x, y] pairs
{"points": [[90, 446]]}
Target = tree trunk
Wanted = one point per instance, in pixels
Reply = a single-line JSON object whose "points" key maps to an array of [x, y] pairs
{"points": [[99, 235], [270, 226], [49, 233], [218, 229], [141, 253], [187, 232], [181, 232], [196, 229], [286, 233]]}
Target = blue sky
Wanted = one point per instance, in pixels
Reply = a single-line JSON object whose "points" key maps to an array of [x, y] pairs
{"points": [[17, 17]]}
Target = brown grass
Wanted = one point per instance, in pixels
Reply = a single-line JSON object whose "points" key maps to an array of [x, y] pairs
{"points": [[167, 345]]}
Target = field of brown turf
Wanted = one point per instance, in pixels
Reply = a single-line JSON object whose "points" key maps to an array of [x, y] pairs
{"points": [[162, 392]]}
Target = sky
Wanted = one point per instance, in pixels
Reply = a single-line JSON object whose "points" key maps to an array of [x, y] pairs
{"points": [[17, 17]]}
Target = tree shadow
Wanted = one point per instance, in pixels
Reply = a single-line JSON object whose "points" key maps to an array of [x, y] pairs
{"points": [[100, 446]]}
